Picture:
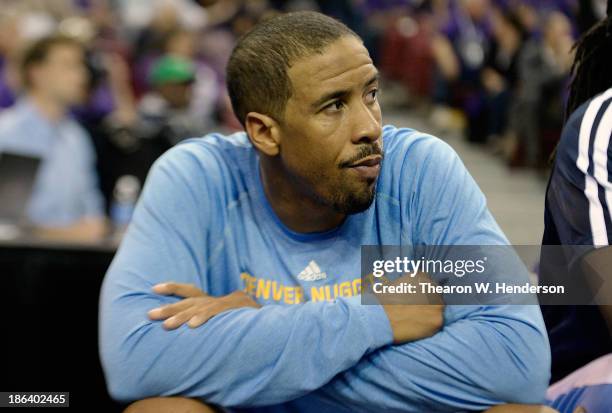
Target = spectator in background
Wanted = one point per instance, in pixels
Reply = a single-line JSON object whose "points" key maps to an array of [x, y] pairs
{"points": [[99, 100], [135, 134], [468, 31], [148, 45], [207, 90], [527, 14], [65, 202], [543, 70], [500, 72], [165, 110], [122, 147]]}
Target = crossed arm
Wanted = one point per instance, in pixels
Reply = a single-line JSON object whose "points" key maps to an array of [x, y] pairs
{"points": [[339, 351], [196, 308]]}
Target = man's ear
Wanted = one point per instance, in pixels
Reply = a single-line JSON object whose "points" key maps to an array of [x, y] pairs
{"points": [[263, 132]]}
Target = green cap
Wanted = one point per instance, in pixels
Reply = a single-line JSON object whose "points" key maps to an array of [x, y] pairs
{"points": [[171, 69]]}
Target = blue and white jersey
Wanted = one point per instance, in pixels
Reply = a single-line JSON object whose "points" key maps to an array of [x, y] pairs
{"points": [[578, 211]]}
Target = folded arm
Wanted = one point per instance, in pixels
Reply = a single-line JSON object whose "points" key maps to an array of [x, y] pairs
{"points": [[484, 357]]}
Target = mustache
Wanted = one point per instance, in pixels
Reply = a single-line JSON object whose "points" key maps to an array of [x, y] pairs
{"points": [[363, 152]]}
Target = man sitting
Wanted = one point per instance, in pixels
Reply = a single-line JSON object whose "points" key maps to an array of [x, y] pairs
{"points": [[281, 212]]}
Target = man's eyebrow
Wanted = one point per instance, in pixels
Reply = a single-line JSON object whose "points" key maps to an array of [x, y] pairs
{"points": [[340, 93], [372, 80]]}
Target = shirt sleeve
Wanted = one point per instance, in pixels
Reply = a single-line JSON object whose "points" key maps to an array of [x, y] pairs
{"points": [[484, 355], [242, 357]]}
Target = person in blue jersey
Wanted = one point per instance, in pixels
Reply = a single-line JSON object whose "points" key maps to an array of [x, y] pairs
{"points": [[578, 212], [238, 281]]}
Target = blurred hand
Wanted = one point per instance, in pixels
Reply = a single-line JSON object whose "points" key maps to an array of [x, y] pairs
{"points": [[197, 307], [493, 81]]}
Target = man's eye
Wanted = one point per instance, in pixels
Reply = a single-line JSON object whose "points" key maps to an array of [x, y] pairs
{"points": [[371, 96], [335, 106]]}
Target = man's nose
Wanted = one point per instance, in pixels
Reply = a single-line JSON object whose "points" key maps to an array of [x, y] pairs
{"points": [[367, 125]]}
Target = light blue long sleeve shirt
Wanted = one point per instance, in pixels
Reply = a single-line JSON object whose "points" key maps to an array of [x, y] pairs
{"points": [[66, 186], [203, 218]]}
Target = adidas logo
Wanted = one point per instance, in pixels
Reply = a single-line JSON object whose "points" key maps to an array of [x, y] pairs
{"points": [[312, 272]]}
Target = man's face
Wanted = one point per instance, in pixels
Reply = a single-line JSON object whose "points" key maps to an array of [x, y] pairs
{"points": [[331, 144], [558, 28], [63, 74], [178, 95]]}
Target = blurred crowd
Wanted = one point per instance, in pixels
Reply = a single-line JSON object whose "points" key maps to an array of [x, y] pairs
{"points": [[100, 88], [495, 70]]}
